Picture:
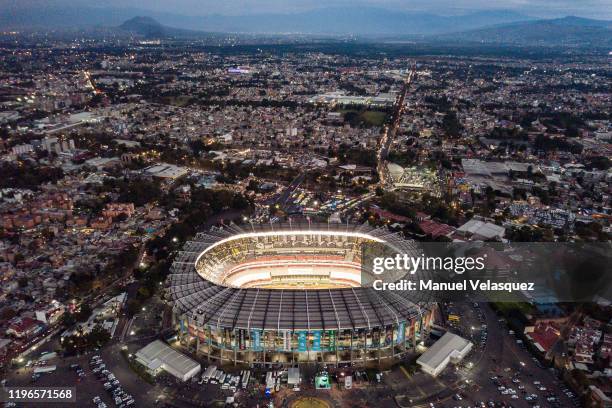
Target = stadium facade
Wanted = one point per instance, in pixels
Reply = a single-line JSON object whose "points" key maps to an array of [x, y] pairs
{"points": [[287, 293]]}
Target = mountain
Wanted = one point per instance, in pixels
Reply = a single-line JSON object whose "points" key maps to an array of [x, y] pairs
{"points": [[145, 26], [567, 31], [150, 28], [336, 20]]}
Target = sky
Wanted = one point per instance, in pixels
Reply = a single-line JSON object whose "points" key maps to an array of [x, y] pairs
{"points": [[601, 9]]}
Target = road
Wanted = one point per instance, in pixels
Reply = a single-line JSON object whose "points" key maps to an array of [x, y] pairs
{"points": [[283, 198], [390, 131]]}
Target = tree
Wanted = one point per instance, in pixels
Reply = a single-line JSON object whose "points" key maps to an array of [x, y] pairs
{"points": [[84, 312], [23, 282], [96, 338], [451, 125], [68, 320]]}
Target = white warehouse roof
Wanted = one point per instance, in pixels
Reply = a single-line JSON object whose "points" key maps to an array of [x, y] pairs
{"points": [[158, 355], [482, 228], [450, 348]]}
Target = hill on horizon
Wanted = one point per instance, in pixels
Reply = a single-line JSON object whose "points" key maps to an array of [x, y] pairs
{"points": [[146, 26], [566, 31]]}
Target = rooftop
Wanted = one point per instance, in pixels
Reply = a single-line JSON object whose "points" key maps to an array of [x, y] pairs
{"points": [[159, 355], [443, 349]]}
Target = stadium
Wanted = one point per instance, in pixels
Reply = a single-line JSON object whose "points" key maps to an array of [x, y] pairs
{"points": [[290, 293]]}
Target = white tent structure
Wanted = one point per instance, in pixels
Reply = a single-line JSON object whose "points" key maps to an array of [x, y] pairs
{"points": [[294, 377], [157, 356]]}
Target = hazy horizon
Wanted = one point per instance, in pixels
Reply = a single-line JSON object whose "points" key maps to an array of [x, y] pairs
{"points": [[599, 9]]}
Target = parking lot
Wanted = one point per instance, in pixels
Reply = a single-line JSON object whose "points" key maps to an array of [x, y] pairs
{"points": [[498, 372]]}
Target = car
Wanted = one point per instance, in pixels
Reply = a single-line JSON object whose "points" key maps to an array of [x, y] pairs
{"points": [[97, 400], [115, 382]]}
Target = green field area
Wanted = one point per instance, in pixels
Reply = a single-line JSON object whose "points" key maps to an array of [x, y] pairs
{"points": [[310, 402], [180, 101], [507, 307], [366, 118]]}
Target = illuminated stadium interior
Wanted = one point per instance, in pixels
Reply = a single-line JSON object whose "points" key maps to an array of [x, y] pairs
{"points": [[311, 259]]}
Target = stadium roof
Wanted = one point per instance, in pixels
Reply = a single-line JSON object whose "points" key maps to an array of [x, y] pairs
{"points": [[206, 303]]}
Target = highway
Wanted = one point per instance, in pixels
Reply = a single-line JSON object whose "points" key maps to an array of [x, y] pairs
{"points": [[391, 130]]}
